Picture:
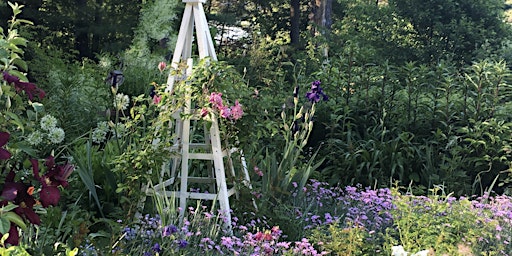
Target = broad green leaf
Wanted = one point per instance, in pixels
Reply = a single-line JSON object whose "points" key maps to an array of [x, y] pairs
{"points": [[20, 64], [38, 107], [5, 225], [18, 74], [15, 218], [18, 41], [8, 207]]}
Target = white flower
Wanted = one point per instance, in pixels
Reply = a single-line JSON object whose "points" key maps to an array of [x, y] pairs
{"points": [[35, 138], [121, 101], [48, 122], [103, 125], [421, 253], [398, 251], [56, 135], [99, 135]]}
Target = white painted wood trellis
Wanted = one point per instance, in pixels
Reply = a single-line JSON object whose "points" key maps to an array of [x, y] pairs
{"points": [[187, 151]]}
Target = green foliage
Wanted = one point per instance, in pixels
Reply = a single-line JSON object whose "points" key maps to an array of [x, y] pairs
{"points": [[350, 240], [79, 95], [454, 28], [85, 28], [282, 169], [439, 222], [385, 122]]}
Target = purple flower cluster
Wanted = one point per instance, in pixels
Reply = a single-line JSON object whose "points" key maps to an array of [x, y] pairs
{"points": [[149, 237], [496, 210], [353, 206]]}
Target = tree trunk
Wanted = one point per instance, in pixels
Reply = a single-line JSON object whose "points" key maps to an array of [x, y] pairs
{"points": [[294, 22], [81, 33], [321, 15]]}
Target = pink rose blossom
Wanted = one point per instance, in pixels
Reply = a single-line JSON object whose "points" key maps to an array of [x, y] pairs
{"points": [[225, 112], [156, 99], [204, 112], [216, 99], [236, 111]]}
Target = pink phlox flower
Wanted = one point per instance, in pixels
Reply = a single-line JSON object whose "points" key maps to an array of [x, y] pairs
{"points": [[258, 171], [259, 236]]}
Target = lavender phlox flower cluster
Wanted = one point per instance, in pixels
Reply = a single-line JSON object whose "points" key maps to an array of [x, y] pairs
{"points": [[150, 237], [353, 205], [368, 208], [304, 247], [88, 249], [498, 211]]}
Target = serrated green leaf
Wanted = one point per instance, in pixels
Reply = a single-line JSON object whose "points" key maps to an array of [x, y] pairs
{"points": [[19, 21]]}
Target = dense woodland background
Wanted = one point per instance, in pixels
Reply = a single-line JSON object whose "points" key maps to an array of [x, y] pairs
{"points": [[419, 89]]}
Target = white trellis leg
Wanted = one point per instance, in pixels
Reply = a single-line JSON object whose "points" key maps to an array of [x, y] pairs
{"points": [[220, 175]]}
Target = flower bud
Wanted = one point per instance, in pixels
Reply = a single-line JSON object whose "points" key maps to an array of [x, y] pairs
{"points": [[161, 66], [8, 103]]}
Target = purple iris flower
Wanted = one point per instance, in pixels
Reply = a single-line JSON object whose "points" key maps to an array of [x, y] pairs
{"points": [[182, 243], [316, 92], [169, 230], [156, 248]]}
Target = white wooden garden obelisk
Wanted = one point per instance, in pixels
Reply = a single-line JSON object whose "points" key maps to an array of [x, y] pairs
{"points": [[194, 16]]}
